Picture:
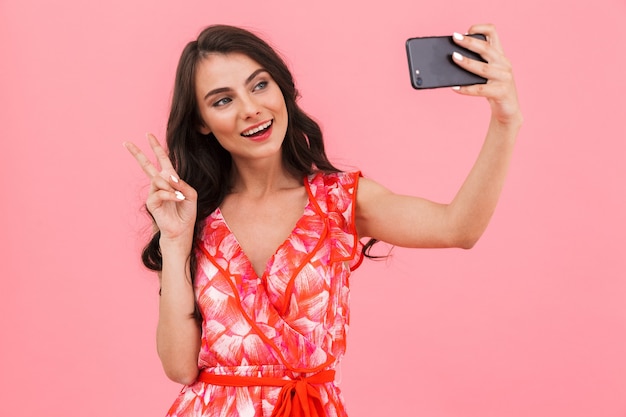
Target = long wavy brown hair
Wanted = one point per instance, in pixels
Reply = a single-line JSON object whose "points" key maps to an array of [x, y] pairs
{"points": [[199, 159]]}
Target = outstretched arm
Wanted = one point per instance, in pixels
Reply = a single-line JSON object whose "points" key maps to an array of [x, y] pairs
{"points": [[172, 204], [415, 222]]}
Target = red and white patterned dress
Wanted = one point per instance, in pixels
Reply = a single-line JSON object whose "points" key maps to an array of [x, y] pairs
{"points": [[285, 326]]}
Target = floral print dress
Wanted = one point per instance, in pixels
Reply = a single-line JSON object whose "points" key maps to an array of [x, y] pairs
{"points": [[287, 327]]}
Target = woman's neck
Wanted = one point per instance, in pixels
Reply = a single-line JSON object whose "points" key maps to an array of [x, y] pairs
{"points": [[262, 178]]}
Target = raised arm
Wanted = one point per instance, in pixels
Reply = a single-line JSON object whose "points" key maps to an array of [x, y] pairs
{"points": [[415, 222], [172, 204]]}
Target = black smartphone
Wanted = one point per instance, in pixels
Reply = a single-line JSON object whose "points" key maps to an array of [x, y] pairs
{"points": [[431, 64]]}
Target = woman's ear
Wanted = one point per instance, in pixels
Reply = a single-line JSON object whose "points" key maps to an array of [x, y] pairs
{"points": [[204, 129]]}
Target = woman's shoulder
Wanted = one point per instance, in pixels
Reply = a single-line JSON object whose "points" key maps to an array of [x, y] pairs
{"points": [[334, 191], [338, 178]]}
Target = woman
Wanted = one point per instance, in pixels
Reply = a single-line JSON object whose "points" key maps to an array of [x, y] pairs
{"points": [[257, 232]]}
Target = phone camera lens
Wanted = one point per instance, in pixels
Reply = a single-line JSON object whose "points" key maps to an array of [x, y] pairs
{"points": [[418, 81]]}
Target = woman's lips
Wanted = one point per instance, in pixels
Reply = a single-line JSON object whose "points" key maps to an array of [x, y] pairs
{"points": [[259, 134], [257, 128]]}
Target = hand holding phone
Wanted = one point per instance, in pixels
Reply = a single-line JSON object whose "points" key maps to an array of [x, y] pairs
{"points": [[431, 64]]}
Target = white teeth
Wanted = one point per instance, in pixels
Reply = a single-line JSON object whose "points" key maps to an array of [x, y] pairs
{"points": [[257, 129]]}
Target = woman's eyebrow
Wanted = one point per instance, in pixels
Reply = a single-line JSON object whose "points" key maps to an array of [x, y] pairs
{"points": [[226, 89], [254, 74]]}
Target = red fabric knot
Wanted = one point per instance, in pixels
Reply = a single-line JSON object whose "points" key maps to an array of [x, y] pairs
{"points": [[298, 397]]}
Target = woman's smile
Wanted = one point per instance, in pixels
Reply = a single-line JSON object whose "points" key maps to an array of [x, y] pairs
{"points": [[259, 132]]}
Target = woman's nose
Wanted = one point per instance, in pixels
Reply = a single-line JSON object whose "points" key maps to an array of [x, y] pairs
{"points": [[249, 107]]}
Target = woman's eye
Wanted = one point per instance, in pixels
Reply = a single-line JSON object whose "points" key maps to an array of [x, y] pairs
{"points": [[261, 85], [222, 102]]}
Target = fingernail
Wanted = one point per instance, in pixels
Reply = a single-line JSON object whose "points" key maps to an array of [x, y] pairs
{"points": [[457, 56], [458, 36], [174, 178], [456, 88], [179, 195]]}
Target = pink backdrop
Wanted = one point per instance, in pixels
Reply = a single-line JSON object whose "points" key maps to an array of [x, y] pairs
{"points": [[531, 322]]}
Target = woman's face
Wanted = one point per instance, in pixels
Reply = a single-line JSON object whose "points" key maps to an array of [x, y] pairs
{"points": [[241, 105]]}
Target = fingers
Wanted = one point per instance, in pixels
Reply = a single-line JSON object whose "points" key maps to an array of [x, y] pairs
{"points": [[500, 89], [161, 155], [170, 188], [485, 49], [165, 164], [171, 202], [143, 161], [158, 183], [489, 31], [497, 70], [177, 188], [165, 185], [157, 198], [164, 192], [499, 77]]}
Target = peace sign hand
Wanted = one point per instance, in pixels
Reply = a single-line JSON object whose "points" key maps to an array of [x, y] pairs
{"points": [[171, 202]]}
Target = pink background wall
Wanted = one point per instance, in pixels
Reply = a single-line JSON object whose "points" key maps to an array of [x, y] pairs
{"points": [[531, 322]]}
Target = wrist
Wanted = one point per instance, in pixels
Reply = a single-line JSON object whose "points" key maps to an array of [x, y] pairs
{"points": [[508, 127], [172, 245], [510, 122]]}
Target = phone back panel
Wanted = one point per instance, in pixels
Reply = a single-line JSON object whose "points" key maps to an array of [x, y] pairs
{"points": [[431, 64]]}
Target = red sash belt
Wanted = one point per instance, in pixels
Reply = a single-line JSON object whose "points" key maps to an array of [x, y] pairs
{"points": [[297, 398]]}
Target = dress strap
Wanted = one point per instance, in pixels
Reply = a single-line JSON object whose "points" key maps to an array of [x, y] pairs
{"points": [[297, 398]]}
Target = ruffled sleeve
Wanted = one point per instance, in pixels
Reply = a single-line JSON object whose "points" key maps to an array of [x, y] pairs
{"points": [[336, 195]]}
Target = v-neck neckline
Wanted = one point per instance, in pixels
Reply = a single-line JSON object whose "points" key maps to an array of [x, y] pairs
{"points": [[309, 206]]}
